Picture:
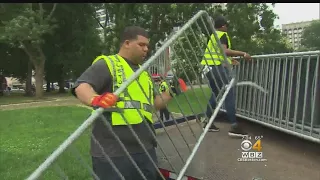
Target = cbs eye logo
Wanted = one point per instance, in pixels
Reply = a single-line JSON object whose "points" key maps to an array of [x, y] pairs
{"points": [[246, 145]]}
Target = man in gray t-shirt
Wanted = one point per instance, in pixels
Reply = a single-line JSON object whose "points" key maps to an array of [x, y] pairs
{"points": [[95, 82]]}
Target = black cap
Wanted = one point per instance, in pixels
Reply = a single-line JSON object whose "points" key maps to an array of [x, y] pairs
{"points": [[220, 21]]}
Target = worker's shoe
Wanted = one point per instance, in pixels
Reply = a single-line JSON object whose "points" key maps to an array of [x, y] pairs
{"points": [[212, 128], [236, 131]]}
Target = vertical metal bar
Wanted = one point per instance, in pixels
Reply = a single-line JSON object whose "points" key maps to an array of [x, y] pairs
{"points": [[250, 89], [254, 98], [276, 93], [245, 95], [291, 71], [238, 89], [260, 95], [242, 66], [305, 95], [265, 98], [283, 90], [271, 81], [297, 95], [316, 81]]}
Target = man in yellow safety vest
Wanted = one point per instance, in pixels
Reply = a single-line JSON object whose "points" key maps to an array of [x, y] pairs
{"points": [[213, 62], [95, 88]]}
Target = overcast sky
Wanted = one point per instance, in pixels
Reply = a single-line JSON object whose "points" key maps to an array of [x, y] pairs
{"points": [[296, 12]]}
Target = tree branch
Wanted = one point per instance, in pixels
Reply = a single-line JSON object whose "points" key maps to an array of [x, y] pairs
{"points": [[98, 22], [27, 52], [52, 11]]}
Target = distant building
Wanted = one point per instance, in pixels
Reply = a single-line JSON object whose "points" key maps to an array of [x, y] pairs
{"points": [[101, 16], [294, 31]]}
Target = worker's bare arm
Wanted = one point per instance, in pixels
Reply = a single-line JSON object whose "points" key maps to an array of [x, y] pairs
{"points": [[160, 101], [94, 80], [230, 52], [85, 93]]}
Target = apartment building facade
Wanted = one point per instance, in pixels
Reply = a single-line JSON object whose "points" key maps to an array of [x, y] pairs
{"points": [[294, 31]]}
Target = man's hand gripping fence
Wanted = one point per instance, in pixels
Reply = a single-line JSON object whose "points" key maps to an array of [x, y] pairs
{"points": [[183, 48]]}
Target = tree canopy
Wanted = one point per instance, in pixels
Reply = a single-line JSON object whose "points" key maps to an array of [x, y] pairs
{"points": [[59, 41], [311, 36]]}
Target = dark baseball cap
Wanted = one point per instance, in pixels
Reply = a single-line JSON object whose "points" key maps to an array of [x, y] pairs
{"points": [[220, 21]]}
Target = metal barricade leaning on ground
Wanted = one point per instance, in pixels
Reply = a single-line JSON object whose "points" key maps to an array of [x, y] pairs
{"points": [[178, 145]]}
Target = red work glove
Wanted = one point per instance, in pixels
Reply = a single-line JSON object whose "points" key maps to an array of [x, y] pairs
{"points": [[105, 100]]}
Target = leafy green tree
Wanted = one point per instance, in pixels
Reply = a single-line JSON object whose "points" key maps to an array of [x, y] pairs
{"points": [[14, 63], [74, 44], [311, 36], [251, 28], [23, 25], [158, 19]]}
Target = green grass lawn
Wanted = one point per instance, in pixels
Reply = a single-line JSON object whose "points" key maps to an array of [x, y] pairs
{"points": [[15, 98], [28, 136], [197, 99]]}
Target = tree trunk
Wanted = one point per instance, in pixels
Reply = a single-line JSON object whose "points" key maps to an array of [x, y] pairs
{"points": [[48, 87], [60, 77], [39, 69], [52, 87], [28, 89], [61, 85], [38, 59]]}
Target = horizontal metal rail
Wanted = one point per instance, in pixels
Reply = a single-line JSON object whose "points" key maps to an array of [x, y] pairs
{"points": [[292, 80]]}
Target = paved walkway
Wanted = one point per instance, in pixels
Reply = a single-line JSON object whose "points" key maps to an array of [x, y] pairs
{"points": [[288, 157], [57, 102]]}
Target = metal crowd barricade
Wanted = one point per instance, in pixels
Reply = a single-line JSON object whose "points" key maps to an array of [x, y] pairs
{"points": [[178, 144], [292, 104], [161, 64]]}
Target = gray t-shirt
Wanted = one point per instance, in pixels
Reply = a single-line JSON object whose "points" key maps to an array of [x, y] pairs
{"points": [[99, 77]]}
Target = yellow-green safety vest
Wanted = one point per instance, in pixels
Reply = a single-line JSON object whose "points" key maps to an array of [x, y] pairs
{"points": [[210, 55], [163, 87], [120, 71]]}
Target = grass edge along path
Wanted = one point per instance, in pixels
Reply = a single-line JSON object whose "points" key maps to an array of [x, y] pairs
{"points": [[17, 98]]}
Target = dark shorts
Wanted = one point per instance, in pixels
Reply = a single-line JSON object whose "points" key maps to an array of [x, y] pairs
{"points": [[105, 171]]}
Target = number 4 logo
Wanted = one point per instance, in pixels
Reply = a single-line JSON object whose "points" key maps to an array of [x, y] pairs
{"points": [[257, 146]]}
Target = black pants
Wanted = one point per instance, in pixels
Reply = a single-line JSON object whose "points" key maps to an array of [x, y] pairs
{"points": [[164, 112], [105, 171]]}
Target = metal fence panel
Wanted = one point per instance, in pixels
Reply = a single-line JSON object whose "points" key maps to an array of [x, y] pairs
{"points": [[179, 144], [292, 80]]}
